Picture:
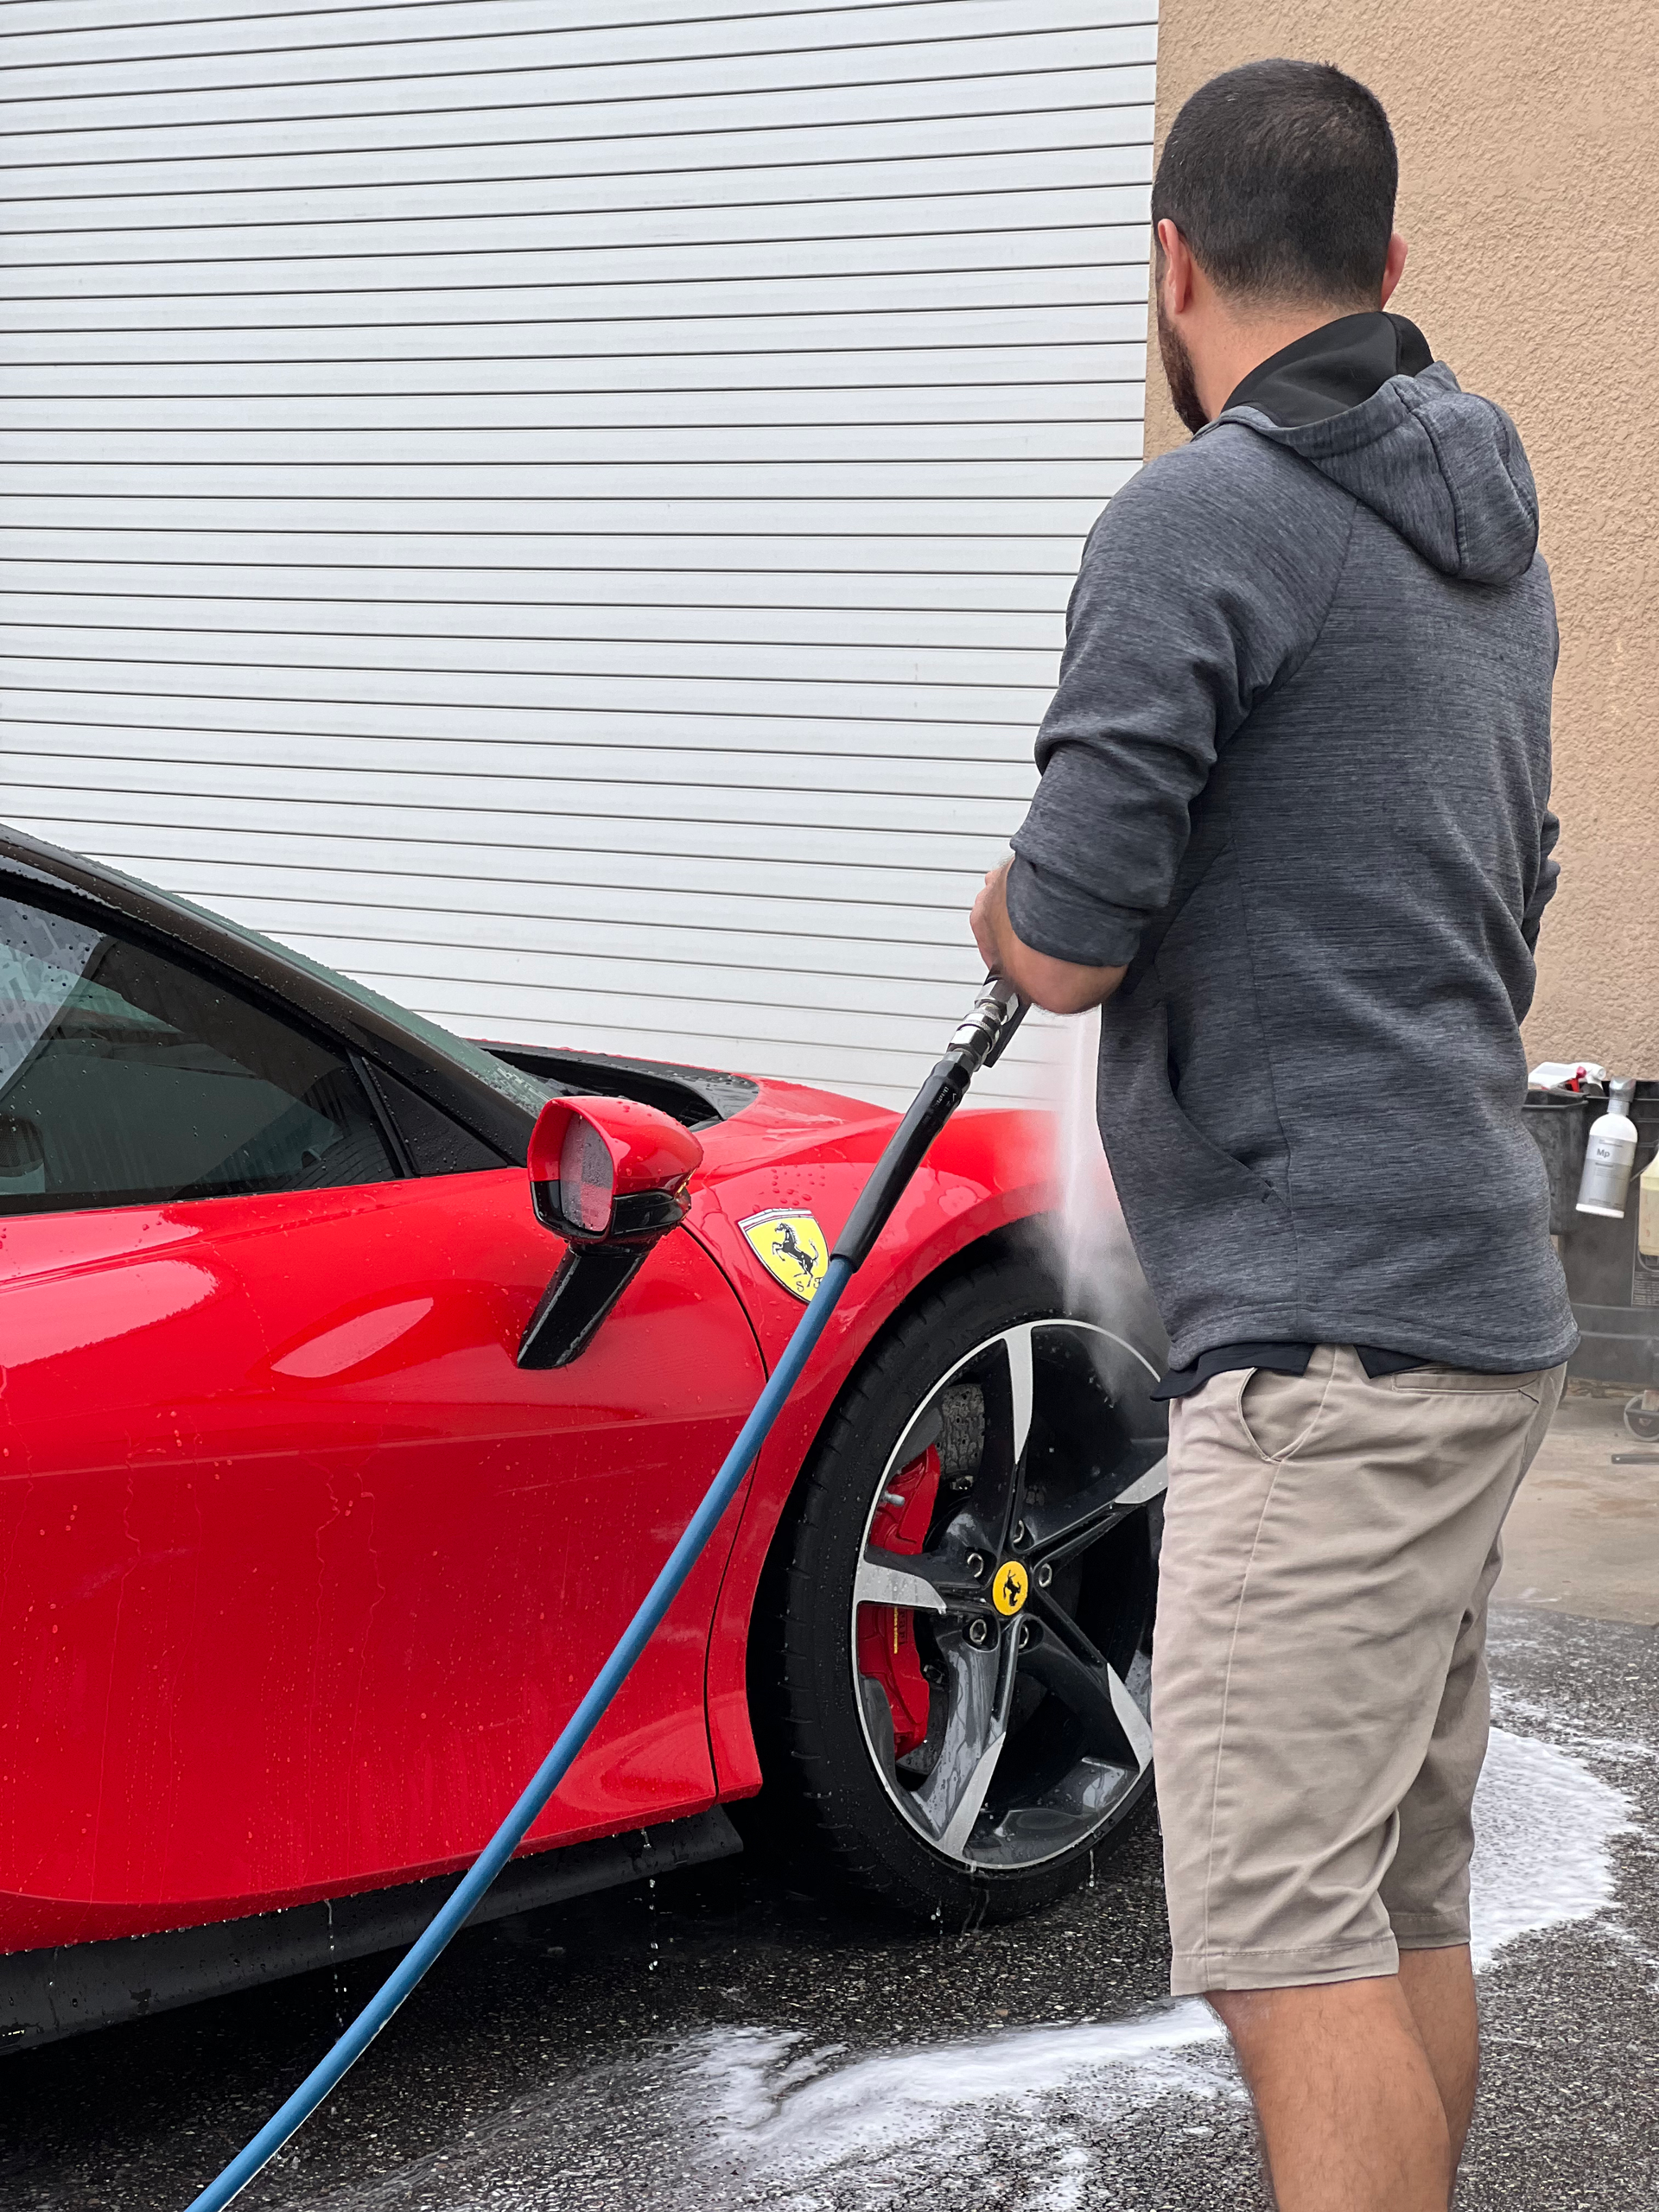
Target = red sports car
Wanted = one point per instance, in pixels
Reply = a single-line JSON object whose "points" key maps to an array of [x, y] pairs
{"points": [[312, 1528]]}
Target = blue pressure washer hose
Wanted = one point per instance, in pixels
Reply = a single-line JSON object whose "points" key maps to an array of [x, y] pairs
{"points": [[976, 1044]]}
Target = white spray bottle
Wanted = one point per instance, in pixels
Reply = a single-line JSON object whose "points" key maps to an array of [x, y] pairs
{"points": [[1610, 1155]]}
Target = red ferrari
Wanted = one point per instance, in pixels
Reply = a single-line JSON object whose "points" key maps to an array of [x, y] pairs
{"points": [[317, 1514]]}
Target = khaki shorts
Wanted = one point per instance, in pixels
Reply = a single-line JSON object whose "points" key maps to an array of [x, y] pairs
{"points": [[1319, 1701]]}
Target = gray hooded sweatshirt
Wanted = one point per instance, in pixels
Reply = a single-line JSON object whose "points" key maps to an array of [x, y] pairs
{"points": [[1296, 776]]}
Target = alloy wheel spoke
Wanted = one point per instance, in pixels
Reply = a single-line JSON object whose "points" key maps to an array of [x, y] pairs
{"points": [[929, 1582], [1135, 1724], [1088, 1516], [953, 1796], [1021, 1386], [1145, 1488], [1058, 1622], [1114, 1727], [883, 1581], [1021, 1382], [1084, 1691], [999, 1487]]}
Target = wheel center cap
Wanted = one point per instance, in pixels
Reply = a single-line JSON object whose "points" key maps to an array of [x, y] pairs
{"points": [[1010, 1586]]}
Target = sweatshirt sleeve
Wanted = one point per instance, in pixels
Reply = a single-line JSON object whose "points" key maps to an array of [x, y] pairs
{"points": [[1204, 582]]}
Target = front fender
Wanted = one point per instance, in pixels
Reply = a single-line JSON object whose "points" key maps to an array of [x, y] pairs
{"points": [[990, 1169]]}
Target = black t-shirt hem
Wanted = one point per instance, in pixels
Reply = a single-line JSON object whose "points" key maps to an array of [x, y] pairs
{"points": [[1277, 1359]]}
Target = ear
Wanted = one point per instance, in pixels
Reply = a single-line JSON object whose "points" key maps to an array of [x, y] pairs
{"points": [[1394, 268], [1176, 280]]}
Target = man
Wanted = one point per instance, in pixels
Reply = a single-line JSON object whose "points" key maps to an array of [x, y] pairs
{"points": [[1291, 832]]}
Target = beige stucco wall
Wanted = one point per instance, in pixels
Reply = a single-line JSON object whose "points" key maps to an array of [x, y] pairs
{"points": [[1529, 197]]}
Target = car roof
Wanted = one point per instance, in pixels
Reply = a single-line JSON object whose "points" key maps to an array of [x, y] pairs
{"points": [[498, 1100], [495, 1089]]}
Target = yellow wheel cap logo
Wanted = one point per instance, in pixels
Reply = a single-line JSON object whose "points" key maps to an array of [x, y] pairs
{"points": [[1010, 1588], [794, 1248]]}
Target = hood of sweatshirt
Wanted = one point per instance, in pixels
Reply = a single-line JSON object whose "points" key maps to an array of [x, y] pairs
{"points": [[1363, 401]]}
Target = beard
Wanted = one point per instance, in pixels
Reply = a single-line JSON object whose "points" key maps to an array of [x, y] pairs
{"points": [[1177, 372]]}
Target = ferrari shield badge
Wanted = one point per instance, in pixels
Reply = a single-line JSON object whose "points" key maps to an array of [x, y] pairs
{"points": [[793, 1247]]}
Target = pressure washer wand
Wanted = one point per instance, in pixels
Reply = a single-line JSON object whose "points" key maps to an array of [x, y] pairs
{"points": [[978, 1043]]}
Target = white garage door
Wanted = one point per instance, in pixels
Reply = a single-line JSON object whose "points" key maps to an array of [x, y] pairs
{"points": [[566, 511]]}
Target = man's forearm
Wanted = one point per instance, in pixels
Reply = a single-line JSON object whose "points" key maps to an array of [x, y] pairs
{"points": [[1059, 985]]}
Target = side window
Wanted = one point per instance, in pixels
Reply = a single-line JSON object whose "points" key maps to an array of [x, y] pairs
{"points": [[128, 1080]]}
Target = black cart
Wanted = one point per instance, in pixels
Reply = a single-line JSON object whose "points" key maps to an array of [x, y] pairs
{"points": [[1614, 1287]]}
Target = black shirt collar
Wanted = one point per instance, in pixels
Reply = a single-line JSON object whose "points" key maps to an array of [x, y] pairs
{"points": [[1331, 369]]}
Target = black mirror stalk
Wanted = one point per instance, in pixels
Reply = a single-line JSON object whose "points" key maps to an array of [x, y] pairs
{"points": [[587, 1284]]}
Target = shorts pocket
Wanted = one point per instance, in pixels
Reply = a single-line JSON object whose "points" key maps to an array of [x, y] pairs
{"points": [[1466, 1381], [1278, 1411]]}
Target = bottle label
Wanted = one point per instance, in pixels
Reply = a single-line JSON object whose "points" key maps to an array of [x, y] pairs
{"points": [[1610, 1152]]}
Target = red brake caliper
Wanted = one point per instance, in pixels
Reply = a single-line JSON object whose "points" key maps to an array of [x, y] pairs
{"points": [[886, 1634]]}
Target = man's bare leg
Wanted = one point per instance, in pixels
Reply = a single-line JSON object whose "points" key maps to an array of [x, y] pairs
{"points": [[1439, 1987], [1350, 2113]]}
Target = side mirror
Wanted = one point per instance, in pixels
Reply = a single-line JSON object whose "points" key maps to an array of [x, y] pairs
{"points": [[609, 1170], [610, 1176]]}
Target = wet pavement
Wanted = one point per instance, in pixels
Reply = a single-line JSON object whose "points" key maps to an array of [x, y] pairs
{"points": [[1583, 1536], [728, 2040]]}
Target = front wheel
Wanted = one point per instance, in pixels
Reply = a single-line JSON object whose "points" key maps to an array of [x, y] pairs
{"points": [[963, 1599]]}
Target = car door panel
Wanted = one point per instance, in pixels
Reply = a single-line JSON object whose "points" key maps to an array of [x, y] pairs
{"points": [[114, 1426], [300, 1574]]}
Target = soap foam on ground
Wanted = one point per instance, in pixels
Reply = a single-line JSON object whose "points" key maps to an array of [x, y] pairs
{"points": [[1543, 1822], [781, 2109], [789, 2115]]}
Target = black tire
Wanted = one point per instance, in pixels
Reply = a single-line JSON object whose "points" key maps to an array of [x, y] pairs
{"points": [[1640, 1421], [1049, 1685]]}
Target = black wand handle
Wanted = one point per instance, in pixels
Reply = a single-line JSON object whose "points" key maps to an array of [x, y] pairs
{"points": [[979, 1042]]}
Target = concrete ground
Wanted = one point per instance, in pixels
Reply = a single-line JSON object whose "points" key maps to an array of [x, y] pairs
{"points": [[729, 2040], [1582, 1537]]}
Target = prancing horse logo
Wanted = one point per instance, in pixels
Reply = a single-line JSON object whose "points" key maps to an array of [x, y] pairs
{"points": [[792, 1248], [1010, 1588], [787, 1247]]}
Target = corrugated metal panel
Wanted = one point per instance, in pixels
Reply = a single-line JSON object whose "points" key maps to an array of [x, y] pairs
{"points": [[569, 522]]}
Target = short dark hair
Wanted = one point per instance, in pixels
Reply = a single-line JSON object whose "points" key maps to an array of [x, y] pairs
{"points": [[1281, 176]]}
